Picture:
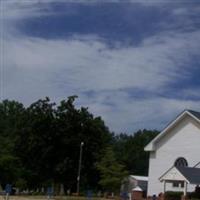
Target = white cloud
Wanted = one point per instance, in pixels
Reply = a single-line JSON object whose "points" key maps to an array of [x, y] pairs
{"points": [[34, 68], [58, 68], [125, 114], [191, 93], [94, 66], [15, 10]]}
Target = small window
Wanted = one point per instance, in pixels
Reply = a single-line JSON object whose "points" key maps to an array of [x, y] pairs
{"points": [[181, 162], [182, 184], [178, 184], [175, 184]]}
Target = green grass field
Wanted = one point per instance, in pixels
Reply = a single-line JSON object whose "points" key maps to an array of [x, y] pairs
{"points": [[53, 198]]}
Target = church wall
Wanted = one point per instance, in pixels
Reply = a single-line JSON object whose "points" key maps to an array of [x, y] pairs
{"points": [[181, 141]]}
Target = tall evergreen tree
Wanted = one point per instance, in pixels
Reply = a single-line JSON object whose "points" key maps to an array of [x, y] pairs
{"points": [[111, 171]]}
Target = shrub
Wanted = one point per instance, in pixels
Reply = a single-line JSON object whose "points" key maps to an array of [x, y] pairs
{"points": [[194, 195], [170, 195]]}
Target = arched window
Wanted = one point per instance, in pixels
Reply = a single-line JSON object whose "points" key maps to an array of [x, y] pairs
{"points": [[181, 162]]}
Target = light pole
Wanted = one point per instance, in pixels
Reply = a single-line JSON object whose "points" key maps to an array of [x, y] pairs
{"points": [[79, 167]]}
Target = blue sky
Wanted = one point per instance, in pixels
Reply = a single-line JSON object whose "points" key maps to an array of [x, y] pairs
{"points": [[135, 63]]}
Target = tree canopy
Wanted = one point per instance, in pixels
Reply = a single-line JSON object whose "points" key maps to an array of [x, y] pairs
{"points": [[40, 144], [111, 171]]}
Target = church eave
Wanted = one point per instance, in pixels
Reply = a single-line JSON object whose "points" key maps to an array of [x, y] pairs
{"points": [[152, 145]]}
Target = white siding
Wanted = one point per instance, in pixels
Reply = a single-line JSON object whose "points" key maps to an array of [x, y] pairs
{"points": [[182, 141]]}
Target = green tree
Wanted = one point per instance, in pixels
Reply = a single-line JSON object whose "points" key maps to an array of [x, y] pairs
{"points": [[11, 114], [40, 144], [111, 171], [49, 141], [35, 143], [129, 150], [76, 126]]}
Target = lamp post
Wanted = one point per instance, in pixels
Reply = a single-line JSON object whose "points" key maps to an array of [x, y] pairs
{"points": [[79, 167]]}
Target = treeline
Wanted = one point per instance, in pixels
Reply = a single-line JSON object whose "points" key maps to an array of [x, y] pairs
{"points": [[40, 146]]}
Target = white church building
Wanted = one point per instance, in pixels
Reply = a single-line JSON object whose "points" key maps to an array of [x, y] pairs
{"points": [[174, 162]]}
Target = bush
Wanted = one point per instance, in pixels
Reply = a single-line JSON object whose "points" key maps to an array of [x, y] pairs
{"points": [[170, 195], [21, 184], [194, 195], [38, 193]]}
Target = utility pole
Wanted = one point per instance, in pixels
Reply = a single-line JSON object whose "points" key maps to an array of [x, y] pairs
{"points": [[79, 167]]}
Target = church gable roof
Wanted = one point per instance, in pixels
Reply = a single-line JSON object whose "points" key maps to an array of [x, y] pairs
{"points": [[139, 178], [173, 174], [191, 174], [194, 114]]}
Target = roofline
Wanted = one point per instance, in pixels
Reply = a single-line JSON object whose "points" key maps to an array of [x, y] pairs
{"points": [[165, 173], [197, 164], [150, 146], [169, 170], [138, 177]]}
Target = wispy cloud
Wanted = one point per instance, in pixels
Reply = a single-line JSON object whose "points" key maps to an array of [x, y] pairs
{"points": [[127, 85]]}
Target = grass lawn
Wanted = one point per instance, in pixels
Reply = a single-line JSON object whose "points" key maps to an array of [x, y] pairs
{"points": [[53, 198]]}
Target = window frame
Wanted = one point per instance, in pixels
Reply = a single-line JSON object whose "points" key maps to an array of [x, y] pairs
{"points": [[181, 162]]}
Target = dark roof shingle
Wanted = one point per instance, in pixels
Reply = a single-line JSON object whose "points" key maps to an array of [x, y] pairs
{"points": [[191, 174], [195, 113]]}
